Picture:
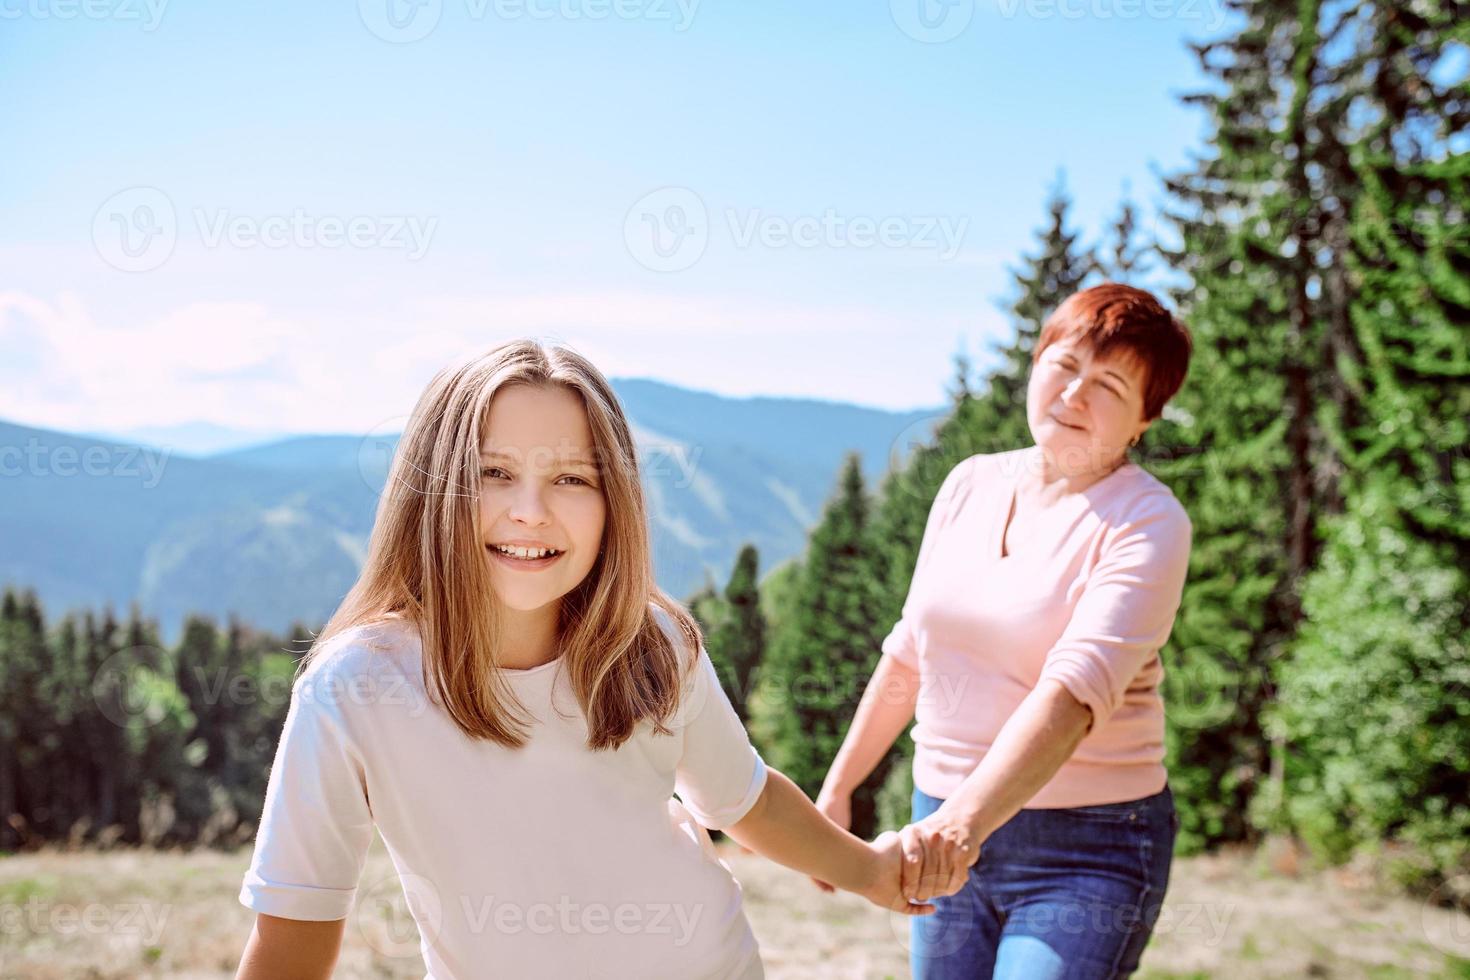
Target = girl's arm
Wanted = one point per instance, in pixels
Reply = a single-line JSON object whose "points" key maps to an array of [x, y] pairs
{"points": [[784, 826], [886, 708], [290, 949]]}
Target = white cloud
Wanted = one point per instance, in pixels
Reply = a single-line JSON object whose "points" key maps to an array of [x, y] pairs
{"points": [[250, 365]]}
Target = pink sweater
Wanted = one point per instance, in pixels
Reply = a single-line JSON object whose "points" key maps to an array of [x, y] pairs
{"points": [[1087, 599]]}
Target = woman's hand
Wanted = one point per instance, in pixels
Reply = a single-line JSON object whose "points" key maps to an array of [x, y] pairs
{"points": [[885, 887], [836, 807], [938, 852]]}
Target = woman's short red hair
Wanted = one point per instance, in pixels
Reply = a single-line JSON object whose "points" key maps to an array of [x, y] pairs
{"points": [[1114, 318]]}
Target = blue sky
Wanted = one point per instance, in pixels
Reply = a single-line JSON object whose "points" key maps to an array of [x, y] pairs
{"points": [[287, 216]]}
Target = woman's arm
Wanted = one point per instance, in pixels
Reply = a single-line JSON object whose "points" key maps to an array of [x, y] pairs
{"points": [[785, 827], [1122, 619], [886, 708], [1040, 735], [290, 949]]}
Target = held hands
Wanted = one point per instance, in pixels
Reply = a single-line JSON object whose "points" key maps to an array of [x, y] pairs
{"points": [[938, 853], [886, 887]]}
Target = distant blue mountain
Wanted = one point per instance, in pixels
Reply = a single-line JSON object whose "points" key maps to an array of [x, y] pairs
{"points": [[276, 533], [190, 438]]}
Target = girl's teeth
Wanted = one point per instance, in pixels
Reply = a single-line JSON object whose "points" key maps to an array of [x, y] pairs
{"points": [[525, 553]]}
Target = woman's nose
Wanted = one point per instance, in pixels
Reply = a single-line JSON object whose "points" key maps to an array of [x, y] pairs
{"points": [[1072, 394]]}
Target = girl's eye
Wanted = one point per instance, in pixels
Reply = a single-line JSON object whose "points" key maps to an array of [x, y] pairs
{"points": [[577, 478], [490, 471]]}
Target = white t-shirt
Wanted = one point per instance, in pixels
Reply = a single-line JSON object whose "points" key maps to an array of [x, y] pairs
{"points": [[550, 860]]}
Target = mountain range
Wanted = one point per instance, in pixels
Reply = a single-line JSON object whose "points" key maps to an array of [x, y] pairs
{"points": [[276, 532]]}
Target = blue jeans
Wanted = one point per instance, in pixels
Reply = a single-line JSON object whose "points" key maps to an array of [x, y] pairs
{"points": [[1071, 892]]}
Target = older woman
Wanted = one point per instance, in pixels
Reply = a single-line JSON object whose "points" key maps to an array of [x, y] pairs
{"points": [[1028, 652]]}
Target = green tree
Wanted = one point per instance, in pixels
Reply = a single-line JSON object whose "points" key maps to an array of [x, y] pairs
{"points": [[1249, 457], [737, 641], [1373, 701], [823, 653]]}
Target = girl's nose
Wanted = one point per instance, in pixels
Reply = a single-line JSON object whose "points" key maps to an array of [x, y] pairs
{"points": [[529, 508]]}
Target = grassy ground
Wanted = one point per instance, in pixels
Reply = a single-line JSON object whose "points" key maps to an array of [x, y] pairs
{"points": [[139, 914]]}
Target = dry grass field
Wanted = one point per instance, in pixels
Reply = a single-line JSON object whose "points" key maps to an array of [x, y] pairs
{"points": [[124, 914]]}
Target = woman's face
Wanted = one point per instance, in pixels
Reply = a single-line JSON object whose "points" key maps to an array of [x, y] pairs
{"points": [[540, 487], [1084, 411]]}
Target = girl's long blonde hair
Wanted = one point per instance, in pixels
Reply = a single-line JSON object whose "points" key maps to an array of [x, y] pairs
{"points": [[426, 561]]}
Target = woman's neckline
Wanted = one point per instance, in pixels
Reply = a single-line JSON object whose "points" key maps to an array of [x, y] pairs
{"points": [[998, 551]]}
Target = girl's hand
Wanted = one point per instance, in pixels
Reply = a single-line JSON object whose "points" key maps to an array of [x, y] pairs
{"points": [[885, 889], [939, 852], [836, 807]]}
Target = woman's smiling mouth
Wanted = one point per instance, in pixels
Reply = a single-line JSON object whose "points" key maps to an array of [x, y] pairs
{"points": [[1067, 425]]}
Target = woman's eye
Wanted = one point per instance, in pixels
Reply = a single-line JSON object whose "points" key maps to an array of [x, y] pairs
{"points": [[490, 471], [577, 478]]}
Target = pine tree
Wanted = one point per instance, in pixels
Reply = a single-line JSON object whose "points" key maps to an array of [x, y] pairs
{"points": [[1373, 699], [1249, 458], [1060, 268], [736, 644], [822, 656], [1128, 258]]}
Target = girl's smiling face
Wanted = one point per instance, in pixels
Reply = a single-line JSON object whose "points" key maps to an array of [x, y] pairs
{"points": [[1084, 411], [540, 488]]}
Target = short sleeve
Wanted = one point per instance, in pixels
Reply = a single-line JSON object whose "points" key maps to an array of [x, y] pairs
{"points": [[316, 826], [1126, 610], [900, 643], [720, 775]]}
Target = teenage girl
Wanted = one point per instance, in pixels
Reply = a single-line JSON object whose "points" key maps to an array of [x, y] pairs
{"points": [[511, 701]]}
